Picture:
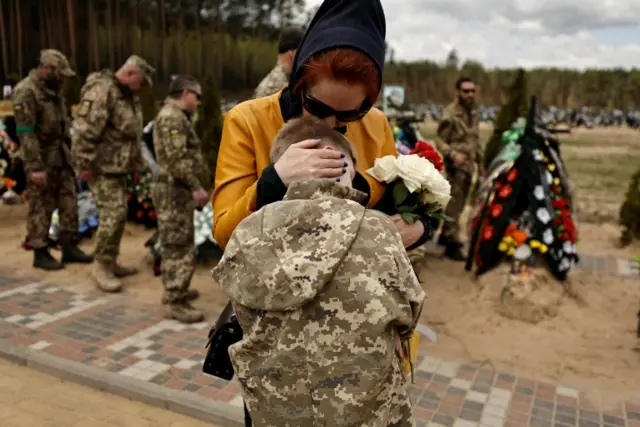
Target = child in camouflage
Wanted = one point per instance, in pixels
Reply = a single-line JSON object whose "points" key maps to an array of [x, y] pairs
{"points": [[323, 289]]}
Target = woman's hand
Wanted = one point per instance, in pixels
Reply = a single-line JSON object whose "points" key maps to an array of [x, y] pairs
{"points": [[410, 233], [302, 161]]}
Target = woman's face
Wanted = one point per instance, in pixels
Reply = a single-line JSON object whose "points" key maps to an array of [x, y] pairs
{"points": [[337, 95]]}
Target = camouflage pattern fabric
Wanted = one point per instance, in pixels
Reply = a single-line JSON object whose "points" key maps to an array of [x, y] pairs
{"points": [[107, 127], [43, 126], [174, 208], [322, 288], [273, 82], [458, 131], [179, 160], [177, 146], [60, 188], [460, 181], [110, 194]]}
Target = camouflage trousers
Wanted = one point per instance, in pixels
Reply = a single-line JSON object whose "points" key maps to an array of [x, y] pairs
{"points": [[59, 192], [460, 180], [416, 256], [110, 195], [174, 209]]}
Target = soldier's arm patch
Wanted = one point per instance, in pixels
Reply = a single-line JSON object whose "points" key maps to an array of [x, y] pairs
{"points": [[178, 138], [84, 108]]}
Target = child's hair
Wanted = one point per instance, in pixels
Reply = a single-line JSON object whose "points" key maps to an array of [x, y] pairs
{"points": [[308, 127]]}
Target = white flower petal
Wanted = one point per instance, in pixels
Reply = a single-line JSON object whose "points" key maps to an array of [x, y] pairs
{"points": [[543, 215], [538, 192], [547, 236]]}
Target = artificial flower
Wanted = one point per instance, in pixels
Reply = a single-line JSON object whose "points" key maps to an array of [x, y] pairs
{"points": [[535, 244], [538, 192], [511, 251], [551, 167], [487, 232], [502, 247], [505, 191], [513, 173], [496, 210], [543, 215], [543, 249]]}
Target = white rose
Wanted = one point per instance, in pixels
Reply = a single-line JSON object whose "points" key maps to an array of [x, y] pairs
{"points": [[414, 171], [384, 169], [438, 189]]}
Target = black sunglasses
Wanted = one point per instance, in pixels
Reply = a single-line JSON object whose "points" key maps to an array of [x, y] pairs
{"points": [[468, 90], [322, 111], [198, 96]]}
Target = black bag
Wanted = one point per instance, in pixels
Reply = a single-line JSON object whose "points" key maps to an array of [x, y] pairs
{"points": [[225, 332]]}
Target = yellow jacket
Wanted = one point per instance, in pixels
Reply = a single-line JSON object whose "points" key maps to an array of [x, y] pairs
{"points": [[249, 129]]}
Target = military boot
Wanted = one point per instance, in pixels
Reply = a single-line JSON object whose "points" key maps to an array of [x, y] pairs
{"points": [[183, 312], [454, 252], [190, 295], [121, 271], [73, 254], [43, 259], [105, 279]]}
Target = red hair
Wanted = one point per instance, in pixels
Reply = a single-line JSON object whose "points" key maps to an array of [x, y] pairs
{"points": [[345, 65]]}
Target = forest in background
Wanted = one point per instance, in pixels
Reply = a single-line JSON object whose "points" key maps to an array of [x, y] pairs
{"points": [[234, 41]]}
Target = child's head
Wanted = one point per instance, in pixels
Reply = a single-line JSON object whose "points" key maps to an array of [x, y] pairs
{"points": [[296, 130]]}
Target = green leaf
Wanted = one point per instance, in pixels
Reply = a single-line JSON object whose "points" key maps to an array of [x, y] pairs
{"points": [[400, 193], [405, 209], [410, 218]]}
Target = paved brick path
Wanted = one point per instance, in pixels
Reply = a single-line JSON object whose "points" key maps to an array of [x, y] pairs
{"points": [[110, 343], [29, 398]]}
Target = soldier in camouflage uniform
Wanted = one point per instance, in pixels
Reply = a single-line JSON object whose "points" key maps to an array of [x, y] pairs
{"points": [[279, 76], [323, 290], [106, 147], [43, 125], [459, 143], [177, 192]]}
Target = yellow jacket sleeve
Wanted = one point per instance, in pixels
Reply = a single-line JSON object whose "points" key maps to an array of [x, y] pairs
{"points": [[234, 197]]}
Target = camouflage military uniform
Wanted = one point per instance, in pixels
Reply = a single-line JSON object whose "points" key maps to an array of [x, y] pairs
{"points": [[321, 287], [458, 133], [106, 141], [179, 159], [43, 125], [273, 82]]}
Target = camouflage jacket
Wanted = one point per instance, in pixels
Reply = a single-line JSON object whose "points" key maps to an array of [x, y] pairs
{"points": [[273, 82], [42, 124], [177, 147], [321, 287], [107, 127], [458, 132]]}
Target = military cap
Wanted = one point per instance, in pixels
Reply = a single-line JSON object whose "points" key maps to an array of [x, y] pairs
{"points": [[55, 58], [142, 66]]}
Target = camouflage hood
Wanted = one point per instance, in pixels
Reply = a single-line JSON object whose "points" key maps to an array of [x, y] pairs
{"points": [[281, 257]]}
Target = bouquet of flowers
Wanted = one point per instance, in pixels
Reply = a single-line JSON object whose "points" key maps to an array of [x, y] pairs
{"points": [[418, 186]]}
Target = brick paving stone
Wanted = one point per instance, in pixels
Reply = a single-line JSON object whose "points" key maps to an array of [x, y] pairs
{"points": [[113, 334]]}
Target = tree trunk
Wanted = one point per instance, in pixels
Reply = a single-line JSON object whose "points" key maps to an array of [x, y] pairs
{"points": [[162, 35], [109, 25], [3, 42], [198, 23], [93, 34], [118, 36], [19, 36], [71, 21]]}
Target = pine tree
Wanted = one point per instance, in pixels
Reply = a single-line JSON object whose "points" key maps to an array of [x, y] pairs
{"points": [[515, 107], [209, 128], [630, 211]]}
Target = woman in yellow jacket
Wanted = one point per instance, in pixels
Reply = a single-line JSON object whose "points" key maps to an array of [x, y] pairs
{"points": [[336, 76]]}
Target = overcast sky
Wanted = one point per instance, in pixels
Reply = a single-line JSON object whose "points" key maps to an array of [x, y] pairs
{"points": [[527, 33]]}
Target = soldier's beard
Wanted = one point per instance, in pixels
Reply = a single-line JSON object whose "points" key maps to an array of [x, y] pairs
{"points": [[51, 82], [467, 103]]}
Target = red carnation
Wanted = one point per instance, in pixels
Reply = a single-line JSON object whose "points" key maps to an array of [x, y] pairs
{"points": [[487, 232], [513, 173], [559, 204]]}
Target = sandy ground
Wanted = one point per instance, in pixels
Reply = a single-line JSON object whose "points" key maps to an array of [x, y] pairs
{"points": [[589, 342]]}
